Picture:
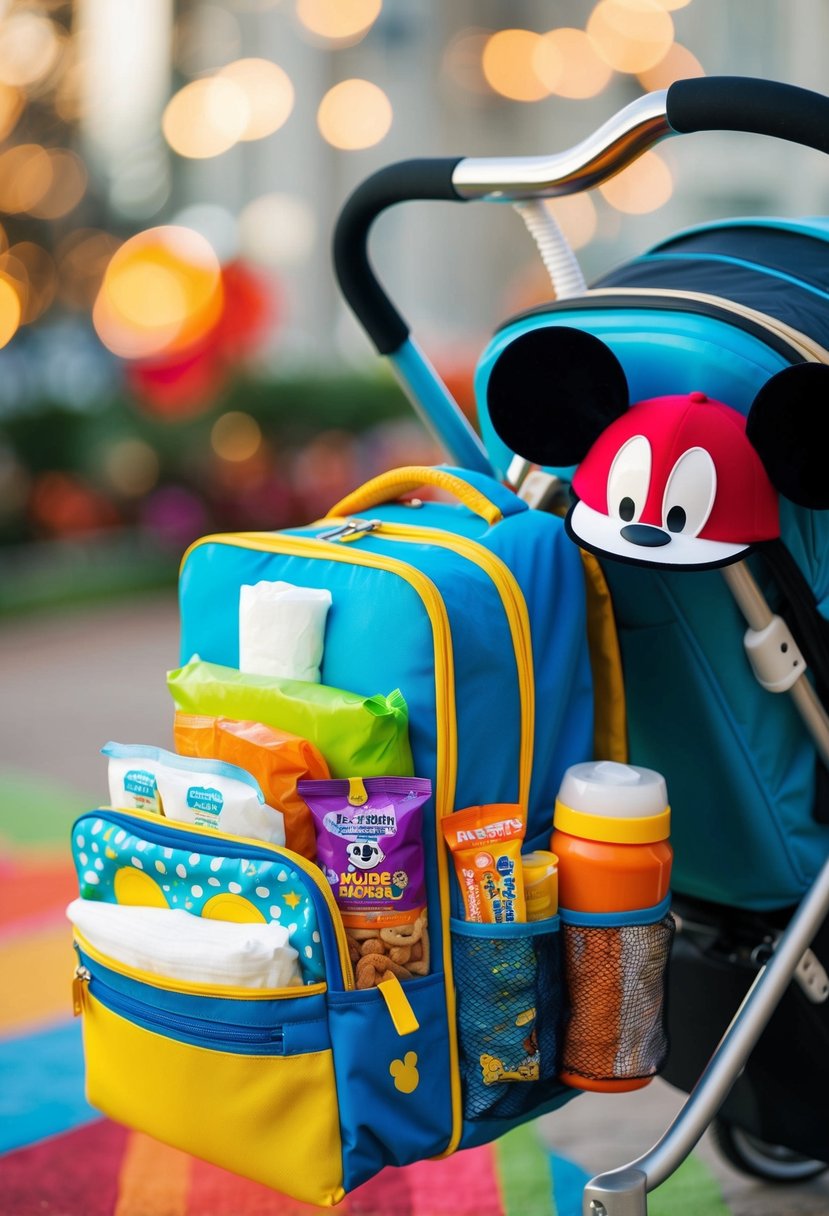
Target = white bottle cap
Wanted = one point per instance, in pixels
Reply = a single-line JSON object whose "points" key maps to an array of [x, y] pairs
{"points": [[604, 787]]}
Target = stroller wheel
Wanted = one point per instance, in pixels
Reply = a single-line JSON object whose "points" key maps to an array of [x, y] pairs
{"points": [[771, 1162]]}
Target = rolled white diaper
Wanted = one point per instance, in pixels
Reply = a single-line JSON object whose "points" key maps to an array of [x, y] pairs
{"points": [[282, 630], [174, 944]]}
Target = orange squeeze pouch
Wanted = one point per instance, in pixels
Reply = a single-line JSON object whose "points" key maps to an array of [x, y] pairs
{"points": [[485, 842]]}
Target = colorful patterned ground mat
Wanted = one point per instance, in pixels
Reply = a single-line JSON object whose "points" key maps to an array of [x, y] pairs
{"points": [[58, 1157]]}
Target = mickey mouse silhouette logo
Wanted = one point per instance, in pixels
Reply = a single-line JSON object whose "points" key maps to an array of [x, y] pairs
{"points": [[405, 1074], [683, 481]]}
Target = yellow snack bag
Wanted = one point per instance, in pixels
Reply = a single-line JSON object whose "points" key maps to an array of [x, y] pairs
{"points": [[485, 842], [277, 759]]}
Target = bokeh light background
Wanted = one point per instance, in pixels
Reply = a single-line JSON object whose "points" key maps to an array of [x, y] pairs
{"points": [[175, 357]]}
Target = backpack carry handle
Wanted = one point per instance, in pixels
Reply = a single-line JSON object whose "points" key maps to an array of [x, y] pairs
{"points": [[486, 498]]}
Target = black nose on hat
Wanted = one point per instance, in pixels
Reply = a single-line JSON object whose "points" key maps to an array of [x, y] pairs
{"points": [[646, 535]]}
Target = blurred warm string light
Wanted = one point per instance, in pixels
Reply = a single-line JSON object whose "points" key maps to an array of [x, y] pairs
{"points": [[568, 65], [340, 22], [508, 62], [161, 293], [630, 35], [131, 467], [354, 114], [643, 186], [235, 436], [245, 100], [30, 48], [268, 94], [12, 102], [45, 183], [277, 230], [10, 309]]}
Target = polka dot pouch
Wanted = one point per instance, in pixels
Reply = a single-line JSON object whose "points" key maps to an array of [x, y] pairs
{"points": [[139, 859]]}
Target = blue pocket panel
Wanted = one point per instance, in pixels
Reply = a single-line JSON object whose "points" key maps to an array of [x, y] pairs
{"points": [[393, 1090]]}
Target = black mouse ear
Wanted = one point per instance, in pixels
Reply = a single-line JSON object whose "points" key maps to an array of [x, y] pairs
{"points": [[786, 426], [553, 391]]}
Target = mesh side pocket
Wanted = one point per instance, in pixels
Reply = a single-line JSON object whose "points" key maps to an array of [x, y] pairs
{"points": [[509, 1003], [616, 985]]}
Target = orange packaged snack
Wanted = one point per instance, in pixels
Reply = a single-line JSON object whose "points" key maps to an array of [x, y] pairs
{"points": [[276, 759], [485, 842]]}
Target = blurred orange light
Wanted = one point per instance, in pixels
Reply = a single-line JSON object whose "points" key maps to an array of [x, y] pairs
{"points": [[566, 62], [161, 292], [354, 114], [268, 92], [9, 309], [630, 35], [25, 177], [678, 64], [644, 186], [509, 65], [29, 48], [338, 20], [206, 117], [67, 188], [672, 5], [62, 504], [131, 467], [235, 436], [12, 101]]}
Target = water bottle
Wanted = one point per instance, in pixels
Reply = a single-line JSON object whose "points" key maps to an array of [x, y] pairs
{"points": [[611, 829]]}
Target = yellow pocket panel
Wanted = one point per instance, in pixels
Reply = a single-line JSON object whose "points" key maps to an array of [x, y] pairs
{"points": [[270, 1118]]}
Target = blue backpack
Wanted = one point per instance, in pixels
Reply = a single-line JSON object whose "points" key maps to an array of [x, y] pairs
{"points": [[721, 309]]}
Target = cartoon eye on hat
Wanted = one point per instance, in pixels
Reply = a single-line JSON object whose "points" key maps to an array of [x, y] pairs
{"points": [[683, 482]]}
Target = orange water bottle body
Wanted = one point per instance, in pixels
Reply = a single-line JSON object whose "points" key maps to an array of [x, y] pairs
{"points": [[611, 837]]}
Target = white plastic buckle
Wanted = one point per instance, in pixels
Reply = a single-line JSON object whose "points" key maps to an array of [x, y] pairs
{"points": [[811, 976], [774, 655], [541, 490]]}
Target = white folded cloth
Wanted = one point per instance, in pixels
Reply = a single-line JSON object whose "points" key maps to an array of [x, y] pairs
{"points": [[179, 946], [282, 629]]}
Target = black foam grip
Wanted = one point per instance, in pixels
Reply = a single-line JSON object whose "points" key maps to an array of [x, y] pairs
{"points": [[405, 181], [742, 103]]}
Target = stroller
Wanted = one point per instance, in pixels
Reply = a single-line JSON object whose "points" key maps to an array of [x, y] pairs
{"points": [[739, 311]]}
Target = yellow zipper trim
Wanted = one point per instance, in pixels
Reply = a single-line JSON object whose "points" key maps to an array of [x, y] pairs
{"points": [[194, 987], [308, 868], [447, 750], [515, 608]]}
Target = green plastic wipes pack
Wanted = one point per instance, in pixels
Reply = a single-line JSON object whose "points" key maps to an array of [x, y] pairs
{"points": [[358, 736]]}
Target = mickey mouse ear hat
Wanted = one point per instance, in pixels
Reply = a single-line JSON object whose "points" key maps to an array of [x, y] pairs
{"points": [[680, 482]]}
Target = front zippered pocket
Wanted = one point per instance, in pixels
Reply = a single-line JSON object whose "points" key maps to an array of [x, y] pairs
{"points": [[220, 1036], [244, 1081]]}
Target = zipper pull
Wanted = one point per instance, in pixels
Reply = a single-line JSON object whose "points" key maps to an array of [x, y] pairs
{"points": [[352, 529], [81, 979]]}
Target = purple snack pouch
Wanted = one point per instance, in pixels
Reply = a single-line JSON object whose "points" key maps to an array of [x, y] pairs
{"points": [[370, 845]]}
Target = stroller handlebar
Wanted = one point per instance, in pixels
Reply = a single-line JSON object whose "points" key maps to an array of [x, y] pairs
{"points": [[713, 103]]}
